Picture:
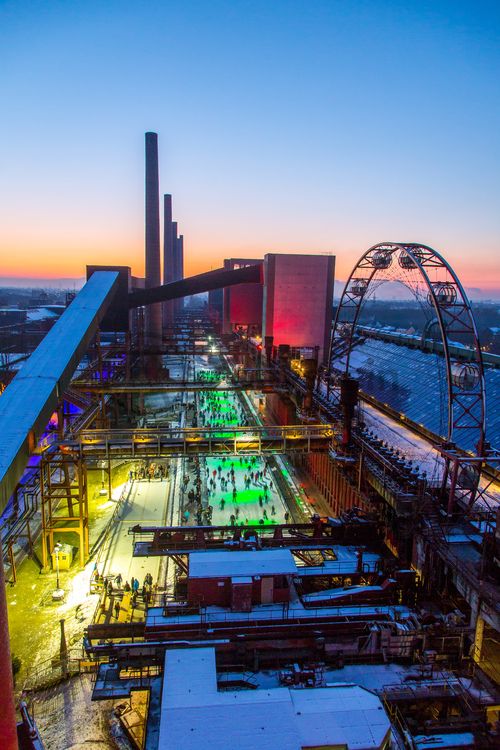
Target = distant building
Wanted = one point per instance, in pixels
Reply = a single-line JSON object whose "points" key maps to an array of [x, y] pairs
{"points": [[298, 297]]}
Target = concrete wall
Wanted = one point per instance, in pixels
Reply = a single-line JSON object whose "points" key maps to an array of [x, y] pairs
{"points": [[242, 303], [298, 297]]}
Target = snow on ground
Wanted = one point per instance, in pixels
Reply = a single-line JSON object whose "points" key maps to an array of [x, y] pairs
{"points": [[67, 719]]}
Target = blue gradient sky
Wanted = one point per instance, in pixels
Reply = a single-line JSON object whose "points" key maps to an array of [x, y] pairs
{"points": [[307, 126]]}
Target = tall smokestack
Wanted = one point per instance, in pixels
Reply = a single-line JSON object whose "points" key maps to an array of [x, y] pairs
{"points": [[179, 266], [180, 257], [168, 257], [153, 275], [173, 235]]}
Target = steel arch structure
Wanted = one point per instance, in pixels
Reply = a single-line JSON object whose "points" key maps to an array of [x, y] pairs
{"points": [[430, 277]]}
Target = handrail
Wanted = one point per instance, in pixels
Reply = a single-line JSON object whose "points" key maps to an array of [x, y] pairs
{"points": [[323, 430], [285, 614]]}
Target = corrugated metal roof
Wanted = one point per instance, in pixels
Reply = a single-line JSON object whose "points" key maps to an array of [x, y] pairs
{"points": [[28, 402]]}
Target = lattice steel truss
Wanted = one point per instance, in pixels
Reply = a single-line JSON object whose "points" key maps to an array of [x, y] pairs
{"points": [[434, 283]]}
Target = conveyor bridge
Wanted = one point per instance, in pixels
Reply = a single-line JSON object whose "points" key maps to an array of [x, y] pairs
{"points": [[154, 443], [173, 386], [181, 540]]}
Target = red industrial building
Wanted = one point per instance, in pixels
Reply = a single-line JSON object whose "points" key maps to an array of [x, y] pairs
{"points": [[241, 579], [298, 299], [242, 306]]}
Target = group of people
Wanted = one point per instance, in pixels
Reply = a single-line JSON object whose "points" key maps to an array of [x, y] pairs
{"points": [[220, 410], [149, 472], [116, 587], [221, 484], [209, 376], [222, 477], [194, 504]]}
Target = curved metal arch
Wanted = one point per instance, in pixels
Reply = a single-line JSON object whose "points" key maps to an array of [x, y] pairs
{"points": [[453, 314]]}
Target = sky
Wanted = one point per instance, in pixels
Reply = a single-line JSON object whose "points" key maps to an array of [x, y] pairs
{"points": [[319, 126]]}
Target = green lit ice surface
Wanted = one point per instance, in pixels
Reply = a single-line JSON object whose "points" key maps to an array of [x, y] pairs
{"points": [[227, 407], [245, 506]]}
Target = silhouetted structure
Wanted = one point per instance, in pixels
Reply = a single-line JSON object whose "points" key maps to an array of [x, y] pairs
{"points": [[153, 276]]}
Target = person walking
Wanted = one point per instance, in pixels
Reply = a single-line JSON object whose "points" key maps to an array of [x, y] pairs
{"points": [[117, 609]]}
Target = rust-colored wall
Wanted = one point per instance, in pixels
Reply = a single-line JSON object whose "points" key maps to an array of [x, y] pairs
{"points": [[207, 591], [281, 409], [241, 597], [332, 483]]}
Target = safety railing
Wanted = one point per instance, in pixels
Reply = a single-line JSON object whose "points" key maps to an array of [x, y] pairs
{"points": [[184, 441], [273, 614], [54, 670], [269, 431]]}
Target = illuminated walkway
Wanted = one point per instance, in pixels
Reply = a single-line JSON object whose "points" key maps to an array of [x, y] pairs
{"points": [[146, 505]]}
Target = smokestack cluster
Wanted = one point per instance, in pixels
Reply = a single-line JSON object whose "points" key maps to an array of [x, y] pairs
{"points": [[158, 316], [173, 259]]}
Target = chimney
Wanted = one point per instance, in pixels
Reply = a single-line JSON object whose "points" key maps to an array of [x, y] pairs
{"points": [[179, 267], [168, 257], [153, 275]]}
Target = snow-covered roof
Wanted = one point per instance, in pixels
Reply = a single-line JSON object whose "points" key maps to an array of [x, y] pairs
{"points": [[457, 739], [222, 564], [42, 313], [195, 714]]}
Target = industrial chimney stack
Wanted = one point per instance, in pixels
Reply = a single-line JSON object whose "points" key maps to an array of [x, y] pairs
{"points": [[168, 258], [153, 275], [179, 267]]}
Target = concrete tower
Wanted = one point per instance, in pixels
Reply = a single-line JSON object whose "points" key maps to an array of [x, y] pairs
{"points": [[175, 302], [168, 257], [179, 267], [153, 275]]}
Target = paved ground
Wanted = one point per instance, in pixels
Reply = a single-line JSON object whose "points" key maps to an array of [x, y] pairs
{"points": [[146, 505]]}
